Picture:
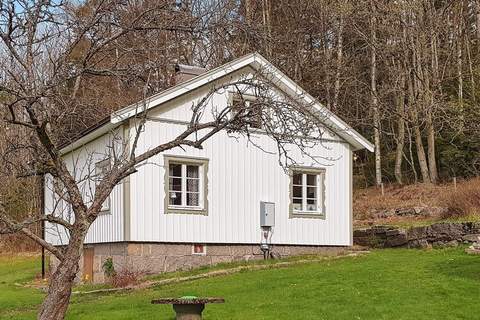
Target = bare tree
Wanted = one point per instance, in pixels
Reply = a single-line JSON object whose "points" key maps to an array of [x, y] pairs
{"points": [[375, 106], [38, 39]]}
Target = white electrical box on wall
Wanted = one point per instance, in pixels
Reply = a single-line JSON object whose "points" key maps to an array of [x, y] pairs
{"points": [[267, 214]]}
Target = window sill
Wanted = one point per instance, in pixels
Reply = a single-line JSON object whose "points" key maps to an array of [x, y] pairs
{"points": [[186, 210], [307, 215]]}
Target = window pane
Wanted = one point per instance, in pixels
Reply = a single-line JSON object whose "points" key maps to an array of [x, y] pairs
{"points": [[297, 191], [311, 179], [297, 178], [311, 192], [175, 184], [192, 171], [175, 198], [192, 199], [297, 204], [192, 185], [175, 170], [311, 205]]}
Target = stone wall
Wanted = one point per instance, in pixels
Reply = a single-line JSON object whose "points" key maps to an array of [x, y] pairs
{"points": [[436, 235], [151, 258]]}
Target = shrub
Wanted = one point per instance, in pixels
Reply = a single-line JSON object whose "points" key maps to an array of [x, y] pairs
{"points": [[464, 201], [108, 268], [125, 278]]}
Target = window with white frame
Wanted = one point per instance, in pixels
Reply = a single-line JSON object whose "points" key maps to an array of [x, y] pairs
{"points": [[101, 169], [186, 185], [307, 192]]}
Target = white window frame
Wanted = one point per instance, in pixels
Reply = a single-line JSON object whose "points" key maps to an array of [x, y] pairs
{"points": [[202, 164], [183, 190], [320, 193], [99, 172]]}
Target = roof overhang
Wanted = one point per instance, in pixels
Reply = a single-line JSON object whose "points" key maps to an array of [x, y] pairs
{"points": [[92, 135]]}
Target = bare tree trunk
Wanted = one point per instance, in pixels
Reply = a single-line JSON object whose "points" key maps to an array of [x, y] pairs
{"points": [[477, 18], [432, 163], [55, 305], [376, 112], [339, 62], [460, 73], [411, 161], [76, 86], [326, 53], [470, 69], [422, 159], [432, 158], [400, 132], [267, 25]]}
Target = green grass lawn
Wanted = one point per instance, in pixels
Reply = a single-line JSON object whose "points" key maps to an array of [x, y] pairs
{"points": [[385, 284]]}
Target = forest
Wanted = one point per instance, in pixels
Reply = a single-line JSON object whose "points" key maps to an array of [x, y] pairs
{"points": [[403, 73]]}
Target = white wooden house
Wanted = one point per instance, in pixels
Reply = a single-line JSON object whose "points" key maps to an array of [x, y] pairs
{"points": [[210, 212]]}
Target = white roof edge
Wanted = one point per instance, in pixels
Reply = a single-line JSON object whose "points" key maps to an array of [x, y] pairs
{"points": [[346, 131], [182, 88], [355, 139], [100, 131]]}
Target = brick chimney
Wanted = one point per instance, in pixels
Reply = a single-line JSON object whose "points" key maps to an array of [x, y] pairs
{"points": [[185, 72]]}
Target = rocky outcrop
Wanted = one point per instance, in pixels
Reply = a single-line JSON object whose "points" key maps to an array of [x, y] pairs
{"points": [[408, 212], [435, 235]]}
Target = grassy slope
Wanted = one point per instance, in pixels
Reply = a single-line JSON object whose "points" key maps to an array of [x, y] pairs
{"points": [[387, 284], [14, 298]]}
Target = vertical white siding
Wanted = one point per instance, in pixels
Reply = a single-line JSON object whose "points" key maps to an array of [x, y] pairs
{"points": [[109, 226], [240, 176]]}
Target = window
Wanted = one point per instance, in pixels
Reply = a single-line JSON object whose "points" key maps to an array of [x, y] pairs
{"points": [[252, 111], [185, 185], [307, 193], [199, 249], [101, 169]]}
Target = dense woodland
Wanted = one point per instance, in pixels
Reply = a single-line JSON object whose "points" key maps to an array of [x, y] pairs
{"points": [[403, 73]]}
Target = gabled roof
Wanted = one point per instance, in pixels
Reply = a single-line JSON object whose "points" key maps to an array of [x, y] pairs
{"points": [[258, 63]]}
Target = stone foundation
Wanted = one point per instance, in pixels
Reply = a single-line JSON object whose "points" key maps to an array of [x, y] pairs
{"points": [[152, 258]]}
